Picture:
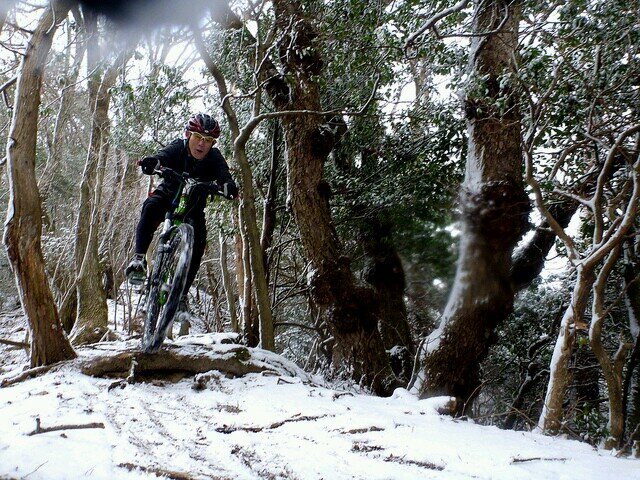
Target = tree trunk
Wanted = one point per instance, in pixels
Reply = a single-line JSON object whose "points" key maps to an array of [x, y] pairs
{"points": [[243, 281], [228, 286], [269, 211], [23, 227], [385, 273], [350, 310], [606, 243], [383, 268], [611, 368], [631, 399], [560, 376], [68, 93], [243, 266], [248, 216], [631, 388], [494, 211], [256, 263], [92, 314]]}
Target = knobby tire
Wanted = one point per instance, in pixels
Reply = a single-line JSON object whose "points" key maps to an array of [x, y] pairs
{"points": [[170, 268]]}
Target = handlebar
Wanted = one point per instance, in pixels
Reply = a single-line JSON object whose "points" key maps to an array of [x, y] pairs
{"points": [[184, 178]]}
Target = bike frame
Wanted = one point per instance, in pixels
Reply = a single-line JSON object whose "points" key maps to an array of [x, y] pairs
{"points": [[163, 287]]}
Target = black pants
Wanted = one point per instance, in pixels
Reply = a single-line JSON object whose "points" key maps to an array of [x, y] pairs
{"points": [[154, 209]]}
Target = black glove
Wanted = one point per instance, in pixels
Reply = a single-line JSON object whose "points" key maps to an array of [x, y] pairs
{"points": [[149, 165], [229, 190]]}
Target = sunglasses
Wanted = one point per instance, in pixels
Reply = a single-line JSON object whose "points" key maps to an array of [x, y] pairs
{"points": [[205, 138]]}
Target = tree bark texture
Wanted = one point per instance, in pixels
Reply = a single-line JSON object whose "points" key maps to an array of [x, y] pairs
{"points": [[351, 310], [68, 94], [269, 211], [611, 367], [23, 228], [256, 260], [494, 211], [384, 271], [227, 284], [92, 316], [248, 215], [631, 386], [560, 376]]}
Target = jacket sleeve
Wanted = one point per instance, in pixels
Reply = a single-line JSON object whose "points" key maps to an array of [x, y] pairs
{"points": [[169, 155]]}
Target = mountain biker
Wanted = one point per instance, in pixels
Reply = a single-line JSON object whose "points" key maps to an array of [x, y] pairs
{"points": [[196, 156]]}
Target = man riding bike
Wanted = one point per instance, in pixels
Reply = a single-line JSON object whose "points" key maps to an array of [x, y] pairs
{"points": [[196, 156]]}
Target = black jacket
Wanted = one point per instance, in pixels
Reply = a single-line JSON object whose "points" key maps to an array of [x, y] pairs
{"points": [[176, 156]]}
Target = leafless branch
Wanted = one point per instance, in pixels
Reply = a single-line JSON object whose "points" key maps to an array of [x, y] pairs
{"points": [[632, 205], [431, 23], [253, 123], [572, 251], [8, 83]]}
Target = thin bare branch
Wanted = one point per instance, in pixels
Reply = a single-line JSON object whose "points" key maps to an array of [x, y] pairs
{"points": [[431, 23], [253, 123]]}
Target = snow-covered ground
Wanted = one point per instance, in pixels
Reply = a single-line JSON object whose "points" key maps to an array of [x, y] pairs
{"points": [[261, 426]]}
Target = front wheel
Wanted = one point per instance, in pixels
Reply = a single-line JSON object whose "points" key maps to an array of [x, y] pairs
{"points": [[167, 282]]}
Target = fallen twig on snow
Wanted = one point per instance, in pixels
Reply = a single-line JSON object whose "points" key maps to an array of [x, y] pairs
{"points": [[39, 429], [535, 459], [159, 472], [299, 418], [404, 461], [362, 430], [13, 343], [31, 373]]}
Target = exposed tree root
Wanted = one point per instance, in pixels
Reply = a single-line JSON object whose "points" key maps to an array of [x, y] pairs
{"points": [[175, 362], [172, 363]]}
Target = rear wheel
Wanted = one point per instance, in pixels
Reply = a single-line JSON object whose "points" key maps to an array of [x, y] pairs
{"points": [[167, 282]]}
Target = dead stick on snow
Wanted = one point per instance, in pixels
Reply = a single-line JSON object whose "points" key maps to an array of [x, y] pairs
{"points": [[535, 459], [226, 429], [31, 373], [40, 429], [14, 343], [157, 471]]}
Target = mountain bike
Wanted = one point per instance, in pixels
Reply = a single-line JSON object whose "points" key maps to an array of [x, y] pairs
{"points": [[171, 261]]}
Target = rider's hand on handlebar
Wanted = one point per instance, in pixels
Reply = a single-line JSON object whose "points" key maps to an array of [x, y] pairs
{"points": [[229, 190], [149, 165], [169, 174]]}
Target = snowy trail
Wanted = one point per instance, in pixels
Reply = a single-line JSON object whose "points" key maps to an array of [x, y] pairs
{"points": [[263, 426]]}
